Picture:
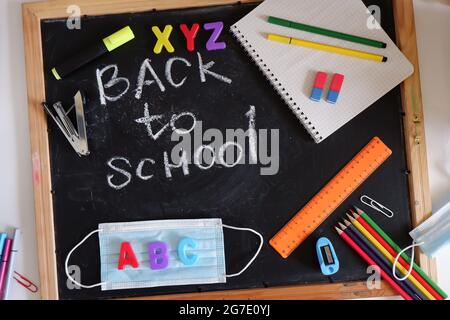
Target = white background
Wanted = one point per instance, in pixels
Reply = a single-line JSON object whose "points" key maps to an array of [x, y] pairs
{"points": [[16, 194]]}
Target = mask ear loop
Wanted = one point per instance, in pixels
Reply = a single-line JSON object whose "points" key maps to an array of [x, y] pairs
{"points": [[411, 264], [66, 264], [257, 251]]}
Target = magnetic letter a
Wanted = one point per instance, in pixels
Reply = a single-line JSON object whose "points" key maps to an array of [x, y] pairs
{"points": [[163, 39], [127, 256]]}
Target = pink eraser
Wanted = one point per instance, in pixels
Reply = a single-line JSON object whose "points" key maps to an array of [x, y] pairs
{"points": [[336, 82], [321, 78]]}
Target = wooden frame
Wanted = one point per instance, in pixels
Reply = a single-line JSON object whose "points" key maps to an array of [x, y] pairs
{"points": [[420, 205]]}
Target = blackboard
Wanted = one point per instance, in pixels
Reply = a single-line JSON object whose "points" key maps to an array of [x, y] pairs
{"points": [[241, 196]]}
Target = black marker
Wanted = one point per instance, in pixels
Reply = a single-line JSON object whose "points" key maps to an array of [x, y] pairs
{"points": [[84, 57]]}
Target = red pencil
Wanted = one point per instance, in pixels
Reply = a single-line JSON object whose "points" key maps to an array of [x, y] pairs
{"points": [[394, 254], [369, 260]]}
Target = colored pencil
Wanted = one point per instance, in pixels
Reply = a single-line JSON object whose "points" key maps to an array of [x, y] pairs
{"points": [[397, 249], [326, 32], [393, 253], [371, 262], [391, 258], [369, 248], [326, 47]]}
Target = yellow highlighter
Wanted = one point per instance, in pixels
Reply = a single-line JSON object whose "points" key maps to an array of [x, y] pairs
{"points": [[325, 47], [93, 52]]}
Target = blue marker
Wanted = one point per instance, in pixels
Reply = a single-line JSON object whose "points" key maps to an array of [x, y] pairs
{"points": [[2, 243], [329, 263]]}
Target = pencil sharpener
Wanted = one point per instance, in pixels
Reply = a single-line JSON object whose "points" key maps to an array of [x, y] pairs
{"points": [[328, 260]]}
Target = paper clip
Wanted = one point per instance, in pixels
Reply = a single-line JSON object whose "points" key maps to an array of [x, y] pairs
{"points": [[377, 206], [78, 139], [24, 282]]}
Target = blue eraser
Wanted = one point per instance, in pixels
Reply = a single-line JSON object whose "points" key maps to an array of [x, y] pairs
{"points": [[332, 96], [316, 94], [328, 260]]}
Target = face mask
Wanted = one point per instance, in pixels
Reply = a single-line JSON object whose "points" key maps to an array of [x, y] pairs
{"points": [[161, 253], [431, 235]]}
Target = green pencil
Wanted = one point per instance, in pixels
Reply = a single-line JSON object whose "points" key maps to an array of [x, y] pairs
{"points": [[326, 32], [398, 249]]}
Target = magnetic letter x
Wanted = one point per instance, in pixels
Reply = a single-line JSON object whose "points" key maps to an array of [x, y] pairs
{"points": [[163, 39]]}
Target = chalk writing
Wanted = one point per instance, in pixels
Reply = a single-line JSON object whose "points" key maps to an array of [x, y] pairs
{"points": [[112, 82], [146, 67]]}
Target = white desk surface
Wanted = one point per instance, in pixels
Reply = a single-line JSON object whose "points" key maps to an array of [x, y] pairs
{"points": [[16, 193]]}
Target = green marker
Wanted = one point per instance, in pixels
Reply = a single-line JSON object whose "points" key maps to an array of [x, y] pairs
{"points": [[91, 53], [326, 32]]}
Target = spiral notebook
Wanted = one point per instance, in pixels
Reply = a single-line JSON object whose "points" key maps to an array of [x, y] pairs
{"points": [[291, 69]]}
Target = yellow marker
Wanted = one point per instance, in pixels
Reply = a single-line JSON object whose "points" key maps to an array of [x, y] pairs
{"points": [[118, 38], [93, 52], [56, 74], [163, 39], [326, 47], [386, 253], [278, 38]]}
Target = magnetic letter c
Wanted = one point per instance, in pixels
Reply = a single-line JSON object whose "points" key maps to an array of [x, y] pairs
{"points": [[187, 259]]}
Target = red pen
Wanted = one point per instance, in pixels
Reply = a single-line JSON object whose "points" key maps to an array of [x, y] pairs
{"points": [[4, 264]]}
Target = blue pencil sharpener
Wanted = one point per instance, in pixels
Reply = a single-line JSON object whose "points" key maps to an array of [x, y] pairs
{"points": [[328, 260]]}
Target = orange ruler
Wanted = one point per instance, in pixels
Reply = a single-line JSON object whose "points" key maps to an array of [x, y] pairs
{"points": [[330, 197]]}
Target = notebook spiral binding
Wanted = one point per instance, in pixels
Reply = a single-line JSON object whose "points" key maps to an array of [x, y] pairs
{"points": [[274, 81]]}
